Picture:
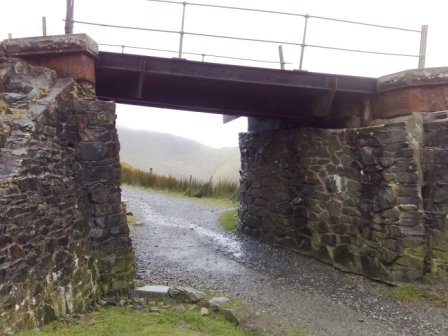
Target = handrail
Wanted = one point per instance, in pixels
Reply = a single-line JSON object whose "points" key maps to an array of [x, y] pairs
{"points": [[236, 38], [303, 44]]}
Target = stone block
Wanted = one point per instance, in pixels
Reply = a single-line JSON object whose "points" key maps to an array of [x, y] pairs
{"points": [[218, 302], [329, 239], [373, 268], [436, 221], [417, 230], [150, 292], [410, 178], [342, 255], [186, 294], [92, 151]]}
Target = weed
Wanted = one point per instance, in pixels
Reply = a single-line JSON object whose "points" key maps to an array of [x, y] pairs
{"points": [[132, 220], [405, 292], [414, 292], [228, 219]]}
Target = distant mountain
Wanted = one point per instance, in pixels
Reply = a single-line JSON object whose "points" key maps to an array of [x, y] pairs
{"points": [[171, 155]]}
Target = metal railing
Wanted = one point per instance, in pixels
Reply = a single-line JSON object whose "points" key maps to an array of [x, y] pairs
{"points": [[421, 56]]}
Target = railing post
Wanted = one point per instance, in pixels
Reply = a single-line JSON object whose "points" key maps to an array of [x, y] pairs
{"points": [[69, 17], [181, 40], [422, 54], [282, 59], [44, 26], [302, 52]]}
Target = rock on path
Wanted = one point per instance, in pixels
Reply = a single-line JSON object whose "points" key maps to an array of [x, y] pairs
{"points": [[181, 243]]}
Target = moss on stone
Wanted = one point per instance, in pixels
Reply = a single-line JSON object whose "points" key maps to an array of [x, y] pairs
{"points": [[3, 105]]}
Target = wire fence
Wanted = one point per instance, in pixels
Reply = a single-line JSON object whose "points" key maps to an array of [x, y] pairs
{"points": [[303, 42]]}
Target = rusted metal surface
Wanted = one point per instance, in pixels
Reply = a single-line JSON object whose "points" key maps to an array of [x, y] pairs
{"points": [[72, 56], [222, 89]]}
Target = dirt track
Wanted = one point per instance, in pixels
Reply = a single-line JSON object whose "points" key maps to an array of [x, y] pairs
{"points": [[181, 243]]}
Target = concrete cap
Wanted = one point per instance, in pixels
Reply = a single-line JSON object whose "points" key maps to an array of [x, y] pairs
{"points": [[413, 78], [57, 44]]}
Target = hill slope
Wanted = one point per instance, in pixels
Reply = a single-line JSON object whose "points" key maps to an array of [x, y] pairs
{"points": [[172, 155]]}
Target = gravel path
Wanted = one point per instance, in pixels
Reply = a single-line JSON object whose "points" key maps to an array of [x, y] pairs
{"points": [[181, 243]]}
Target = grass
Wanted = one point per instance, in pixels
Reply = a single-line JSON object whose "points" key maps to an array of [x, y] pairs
{"points": [[221, 189], [228, 219], [415, 292], [132, 220], [127, 321]]}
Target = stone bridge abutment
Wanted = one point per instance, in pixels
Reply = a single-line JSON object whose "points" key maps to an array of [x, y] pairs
{"points": [[63, 236], [369, 196]]}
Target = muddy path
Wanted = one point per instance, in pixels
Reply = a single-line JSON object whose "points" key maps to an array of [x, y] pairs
{"points": [[181, 243]]}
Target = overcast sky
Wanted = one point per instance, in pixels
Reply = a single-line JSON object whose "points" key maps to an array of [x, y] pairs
{"points": [[22, 18]]}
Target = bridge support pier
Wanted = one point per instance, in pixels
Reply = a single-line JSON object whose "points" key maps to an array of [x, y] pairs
{"points": [[371, 199], [64, 241]]}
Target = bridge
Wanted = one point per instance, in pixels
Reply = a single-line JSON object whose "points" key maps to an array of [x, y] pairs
{"points": [[234, 91], [223, 89], [363, 191]]}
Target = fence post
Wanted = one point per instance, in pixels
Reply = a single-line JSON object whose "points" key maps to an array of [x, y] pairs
{"points": [[282, 59], [44, 26], [302, 52], [422, 54], [69, 17], [181, 40]]}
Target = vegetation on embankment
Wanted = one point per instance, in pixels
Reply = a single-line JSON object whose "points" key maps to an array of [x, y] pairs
{"points": [[223, 189], [168, 154], [180, 320]]}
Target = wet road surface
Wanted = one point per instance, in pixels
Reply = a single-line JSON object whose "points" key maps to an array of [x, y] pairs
{"points": [[181, 243]]}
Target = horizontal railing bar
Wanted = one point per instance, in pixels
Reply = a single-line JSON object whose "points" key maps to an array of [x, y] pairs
{"points": [[230, 7], [132, 47], [288, 13], [126, 27], [362, 51], [361, 23], [242, 38], [245, 59], [192, 53]]}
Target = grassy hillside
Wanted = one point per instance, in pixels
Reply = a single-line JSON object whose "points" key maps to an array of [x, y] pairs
{"points": [[171, 155]]}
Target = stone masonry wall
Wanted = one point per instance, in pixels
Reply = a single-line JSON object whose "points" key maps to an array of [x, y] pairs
{"points": [[63, 237], [98, 154], [435, 191], [352, 197]]}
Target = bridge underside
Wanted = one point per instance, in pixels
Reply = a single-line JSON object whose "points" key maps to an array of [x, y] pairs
{"points": [[225, 89]]}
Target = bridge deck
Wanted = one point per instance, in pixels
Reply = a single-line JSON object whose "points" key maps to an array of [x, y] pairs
{"points": [[223, 89]]}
